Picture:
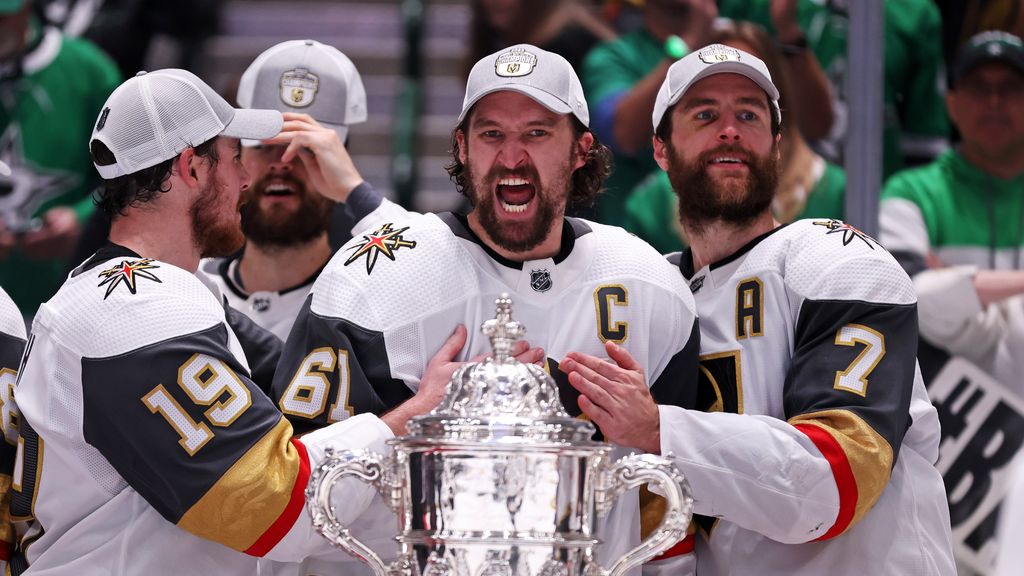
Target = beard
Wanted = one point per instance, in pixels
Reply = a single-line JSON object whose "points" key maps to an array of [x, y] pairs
{"points": [[214, 236], [517, 236], [737, 201], [281, 229]]}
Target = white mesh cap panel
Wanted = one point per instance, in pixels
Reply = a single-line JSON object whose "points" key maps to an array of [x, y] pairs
{"points": [[153, 117]]}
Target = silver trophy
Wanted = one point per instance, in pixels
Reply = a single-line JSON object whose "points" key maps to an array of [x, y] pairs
{"points": [[499, 480]]}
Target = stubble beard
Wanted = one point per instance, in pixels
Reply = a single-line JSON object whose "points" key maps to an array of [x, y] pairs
{"points": [[735, 201], [214, 237]]}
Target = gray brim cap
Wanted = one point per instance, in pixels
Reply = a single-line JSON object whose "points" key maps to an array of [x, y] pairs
{"points": [[708, 61], [309, 77], [544, 76]]}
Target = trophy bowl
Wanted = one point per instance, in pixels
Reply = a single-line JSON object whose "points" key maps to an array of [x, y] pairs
{"points": [[499, 480]]}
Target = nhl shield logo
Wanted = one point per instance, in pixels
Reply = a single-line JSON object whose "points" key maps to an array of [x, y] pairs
{"points": [[540, 280], [261, 304], [299, 87]]}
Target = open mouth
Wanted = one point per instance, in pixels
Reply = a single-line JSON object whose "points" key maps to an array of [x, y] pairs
{"points": [[278, 189], [515, 194], [727, 161]]}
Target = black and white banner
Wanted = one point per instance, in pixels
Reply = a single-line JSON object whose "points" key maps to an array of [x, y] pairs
{"points": [[982, 435]]}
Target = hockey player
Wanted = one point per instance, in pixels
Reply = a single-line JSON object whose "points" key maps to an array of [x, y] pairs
{"points": [[522, 149], [144, 446], [818, 455], [285, 219]]}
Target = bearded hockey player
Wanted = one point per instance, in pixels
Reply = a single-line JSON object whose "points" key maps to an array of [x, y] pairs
{"points": [[145, 447], [522, 149], [818, 455]]}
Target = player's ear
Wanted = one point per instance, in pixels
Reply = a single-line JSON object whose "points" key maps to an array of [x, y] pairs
{"points": [[185, 166], [584, 144]]}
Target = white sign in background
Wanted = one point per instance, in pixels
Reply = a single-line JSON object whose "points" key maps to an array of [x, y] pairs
{"points": [[982, 435]]}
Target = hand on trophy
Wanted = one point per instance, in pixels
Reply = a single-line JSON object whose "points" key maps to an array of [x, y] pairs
{"points": [[616, 397]]}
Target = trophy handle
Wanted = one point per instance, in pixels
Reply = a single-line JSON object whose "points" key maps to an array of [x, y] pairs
{"points": [[372, 469], [636, 470]]}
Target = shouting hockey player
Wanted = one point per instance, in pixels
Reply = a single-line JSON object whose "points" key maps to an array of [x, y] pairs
{"points": [[818, 455], [522, 150]]}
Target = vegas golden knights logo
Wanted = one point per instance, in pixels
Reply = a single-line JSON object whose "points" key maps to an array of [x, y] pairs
{"points": [[513, 68]]}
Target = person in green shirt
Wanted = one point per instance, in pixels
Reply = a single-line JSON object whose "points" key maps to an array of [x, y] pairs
{"points": [[50, 88], [809, 186], [957, 224], [916, 127]]}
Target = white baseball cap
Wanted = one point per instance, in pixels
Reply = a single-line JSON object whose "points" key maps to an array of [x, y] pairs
{"points": [[308, 77], [544, 76], [708, 61], [153, 117]]}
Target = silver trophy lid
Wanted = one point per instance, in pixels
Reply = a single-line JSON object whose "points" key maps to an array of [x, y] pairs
{"points": [[501, 399]]}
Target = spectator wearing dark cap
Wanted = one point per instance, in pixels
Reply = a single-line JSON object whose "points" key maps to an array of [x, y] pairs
{"points": [[957, 224]]}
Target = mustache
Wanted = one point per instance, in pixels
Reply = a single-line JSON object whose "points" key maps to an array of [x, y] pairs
{"points": [[526, 172]]}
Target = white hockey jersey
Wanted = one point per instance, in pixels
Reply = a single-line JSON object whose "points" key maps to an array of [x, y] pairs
{"points": [[818, 455], [144, 446], [388, 300], [12, 347], [274, 311]]}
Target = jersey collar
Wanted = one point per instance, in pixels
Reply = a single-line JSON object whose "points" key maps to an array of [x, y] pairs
{"points": [[685, 261], [107, 252], [572, 228]]}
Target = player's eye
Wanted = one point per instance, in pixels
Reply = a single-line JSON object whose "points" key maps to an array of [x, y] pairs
{"points": [[748, 116], [704, 115]]}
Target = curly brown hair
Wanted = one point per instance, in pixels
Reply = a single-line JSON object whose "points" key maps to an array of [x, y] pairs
{"points": [[587, 181], [119, 194]]}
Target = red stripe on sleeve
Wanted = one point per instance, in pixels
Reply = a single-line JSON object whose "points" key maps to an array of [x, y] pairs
{"points": [[284, 522], [5, 551], [842, 473], [683, 547]]}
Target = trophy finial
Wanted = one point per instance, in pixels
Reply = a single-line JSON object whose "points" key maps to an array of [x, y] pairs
{"points": [[502, 330]]}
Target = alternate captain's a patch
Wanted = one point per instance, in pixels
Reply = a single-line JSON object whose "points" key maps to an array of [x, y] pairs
{"points": [[848, 232], [127, 272], [384, 240]]}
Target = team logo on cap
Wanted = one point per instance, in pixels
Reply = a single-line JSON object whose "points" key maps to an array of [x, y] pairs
{"points": [[515, 62], [298, 87], [719, 53]]}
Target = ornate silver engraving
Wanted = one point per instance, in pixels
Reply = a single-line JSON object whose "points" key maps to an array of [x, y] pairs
{"points": [[499, 480]]}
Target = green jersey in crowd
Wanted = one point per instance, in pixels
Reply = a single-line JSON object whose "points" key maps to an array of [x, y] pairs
{"points": [[609, 72], [916, 124], [46, 116], [962, 215]]}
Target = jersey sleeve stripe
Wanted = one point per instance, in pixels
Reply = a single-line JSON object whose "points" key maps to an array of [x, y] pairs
{"points": [[861, 461], [254, 495], [284, 522]]}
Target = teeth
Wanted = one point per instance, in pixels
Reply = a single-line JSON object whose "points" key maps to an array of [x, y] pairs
{"points": [[273, 188], [514, 208], [728, 160], [513, 182]]}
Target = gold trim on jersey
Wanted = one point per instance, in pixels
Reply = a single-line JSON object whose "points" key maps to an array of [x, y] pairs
{"points": [[605, 294], [6, 527], [851, 335], [749, 308], [250, 495], [19, 469], [868, 453], [737, 356]]}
